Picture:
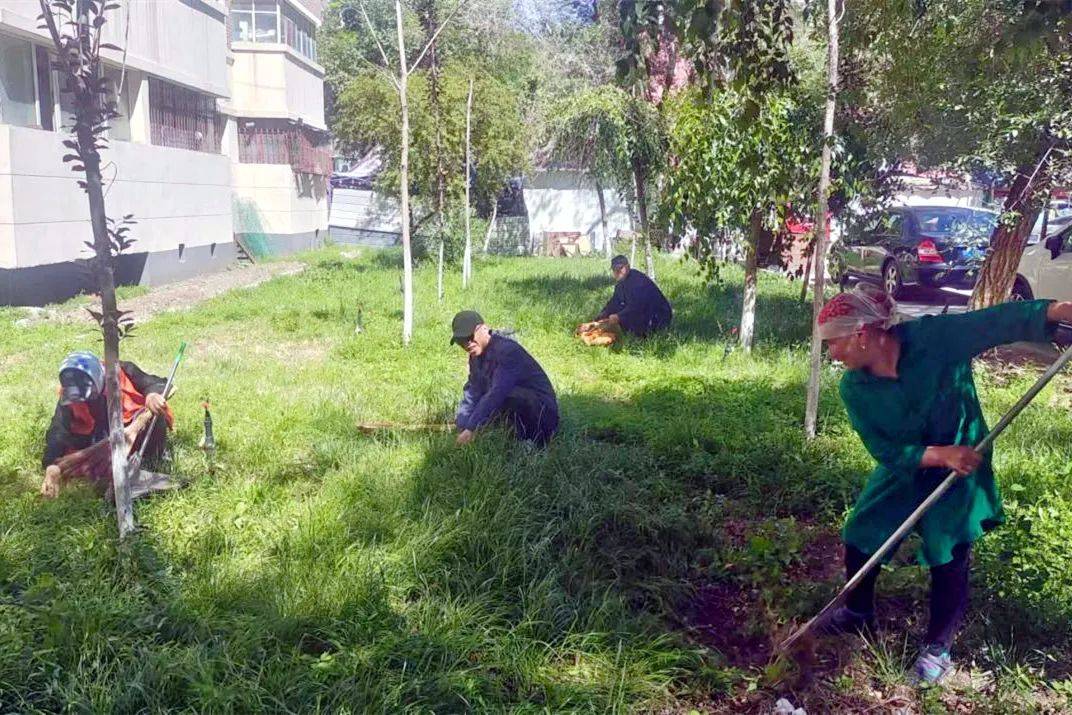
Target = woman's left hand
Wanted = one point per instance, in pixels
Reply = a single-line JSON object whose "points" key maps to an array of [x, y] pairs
{"points": [[1059, 312]]}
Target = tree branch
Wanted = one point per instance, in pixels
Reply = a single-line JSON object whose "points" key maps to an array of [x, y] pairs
{"points": [[379, 45], [50, 23], [432, 39]]}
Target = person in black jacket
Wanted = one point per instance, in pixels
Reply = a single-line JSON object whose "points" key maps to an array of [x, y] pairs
{"points": [[637, 307], [81, 416], [504, 382]]}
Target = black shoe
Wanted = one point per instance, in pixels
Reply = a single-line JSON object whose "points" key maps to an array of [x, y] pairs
{"points": [[845, 620]]}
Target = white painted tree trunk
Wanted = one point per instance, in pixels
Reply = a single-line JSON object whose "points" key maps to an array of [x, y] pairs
{"points": [[811, 410], [607, 247], [407, 249], [439, 270], [751, 275], [491, 224], [467, 260]]}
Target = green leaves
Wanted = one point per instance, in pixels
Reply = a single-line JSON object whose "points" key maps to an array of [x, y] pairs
{"points": [[737, 154]]}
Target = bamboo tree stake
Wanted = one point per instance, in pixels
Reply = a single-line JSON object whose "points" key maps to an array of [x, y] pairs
{"points": [[467, 261], [811, 410]]}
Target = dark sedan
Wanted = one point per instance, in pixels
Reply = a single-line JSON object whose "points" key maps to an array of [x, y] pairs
{"points": [[931, 246]]}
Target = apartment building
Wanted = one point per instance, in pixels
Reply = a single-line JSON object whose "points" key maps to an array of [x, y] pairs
{"points": [[220, 146]]}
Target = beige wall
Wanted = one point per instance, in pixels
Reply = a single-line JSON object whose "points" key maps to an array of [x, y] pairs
{"points": [[177, 196], [271, 198], [184, 42], [275, 81], [316, 7]]}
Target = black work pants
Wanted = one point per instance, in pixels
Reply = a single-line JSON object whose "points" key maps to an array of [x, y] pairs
{"points": [[530, 415], [949, 592]]}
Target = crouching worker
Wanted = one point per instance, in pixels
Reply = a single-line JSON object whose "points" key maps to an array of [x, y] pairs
{"points": [[909, 394], [505, 382], [76, 443], [637, 307]]}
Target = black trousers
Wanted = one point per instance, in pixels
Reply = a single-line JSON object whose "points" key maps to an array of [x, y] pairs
{"points": [[949, 592], [645, 324], [530, 415]]}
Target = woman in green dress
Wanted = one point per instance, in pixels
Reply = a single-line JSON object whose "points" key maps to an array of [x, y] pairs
{"points": [[909, 394]]}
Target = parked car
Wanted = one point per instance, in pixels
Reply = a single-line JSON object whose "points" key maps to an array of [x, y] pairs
{"points": [[933, 246], [1045, 269], [1054, 225]]}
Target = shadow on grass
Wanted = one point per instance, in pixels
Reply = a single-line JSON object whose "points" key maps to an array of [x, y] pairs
{"points": [[479, 579]]}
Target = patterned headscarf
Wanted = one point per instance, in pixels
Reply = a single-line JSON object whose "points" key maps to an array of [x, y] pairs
{"points": [[849, 312]]}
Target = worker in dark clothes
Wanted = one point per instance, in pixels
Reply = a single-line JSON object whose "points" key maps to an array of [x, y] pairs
{"points": [[504, 382], [637, 307], [81, 416]]}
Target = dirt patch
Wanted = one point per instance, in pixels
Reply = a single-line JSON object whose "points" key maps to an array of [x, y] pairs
{"points": [[223, 346], [821, 557], [723, 616], [730, 616], [181, 295]]}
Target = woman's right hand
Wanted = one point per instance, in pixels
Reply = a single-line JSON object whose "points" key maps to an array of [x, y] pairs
{"points": [[962, 460], [50, 487]]}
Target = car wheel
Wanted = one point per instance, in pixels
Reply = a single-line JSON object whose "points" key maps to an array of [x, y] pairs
{"points": [[1021, 291], [891, 280]]}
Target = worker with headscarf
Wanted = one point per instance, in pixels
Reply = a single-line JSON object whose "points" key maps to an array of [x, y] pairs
{"points": [[80, 419], [910, 396]]}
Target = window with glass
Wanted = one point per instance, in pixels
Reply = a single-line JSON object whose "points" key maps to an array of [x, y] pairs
{"points": [[255, 21], [183, 119], [271, 22], [119, 127], [299, 32], [18, 95]]}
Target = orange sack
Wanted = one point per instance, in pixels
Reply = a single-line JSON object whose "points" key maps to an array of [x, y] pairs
{"points": [[597, 337]]}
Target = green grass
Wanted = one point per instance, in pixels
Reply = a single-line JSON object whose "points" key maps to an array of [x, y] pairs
{"points": [[317, 569]]}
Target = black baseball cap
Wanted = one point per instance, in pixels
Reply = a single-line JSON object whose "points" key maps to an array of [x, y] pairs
{"points": [[464, 325]]}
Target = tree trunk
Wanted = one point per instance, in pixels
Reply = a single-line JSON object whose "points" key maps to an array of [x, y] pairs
{"points": [[407, 249], [439, 269], [607, 247], [467, 261], [807, 274], [751, 271], [124, 508], [642, 212], [998, 274], [811, 409], [491, 224], [441, 172]]}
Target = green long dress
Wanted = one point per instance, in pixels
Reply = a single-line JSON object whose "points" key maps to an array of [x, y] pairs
{"points": [[931, 402]]}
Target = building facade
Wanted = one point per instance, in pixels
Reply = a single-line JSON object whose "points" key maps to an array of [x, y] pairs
{"points": [[220, 145]]}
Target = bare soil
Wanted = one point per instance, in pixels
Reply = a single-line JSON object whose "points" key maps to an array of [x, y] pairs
{"points": [[181, 295]]}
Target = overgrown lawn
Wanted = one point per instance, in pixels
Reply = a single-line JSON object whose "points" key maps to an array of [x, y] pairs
{"points": [[320, 569]]}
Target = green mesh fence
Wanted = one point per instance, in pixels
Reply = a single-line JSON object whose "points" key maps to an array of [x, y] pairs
{"points": [[249, 229]]}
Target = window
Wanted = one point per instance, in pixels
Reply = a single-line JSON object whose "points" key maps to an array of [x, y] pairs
{"points": [[255, 21], [44, 88], [18, 93], [277, 141], [182, 118], [265, 21], [119, 127], [298, 32]]}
